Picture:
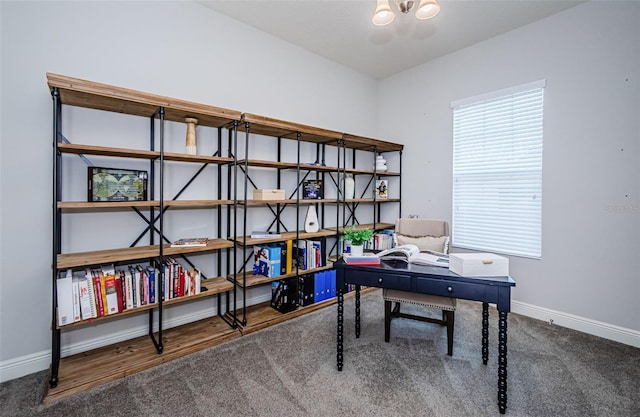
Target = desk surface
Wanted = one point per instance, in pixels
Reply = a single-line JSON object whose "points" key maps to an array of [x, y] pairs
{"points": [[430, 280], [425, 270]]}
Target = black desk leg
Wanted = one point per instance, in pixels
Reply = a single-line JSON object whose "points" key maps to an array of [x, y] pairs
{"points": [[502, 361], [340, 327], [357, 311], [485, 333]]}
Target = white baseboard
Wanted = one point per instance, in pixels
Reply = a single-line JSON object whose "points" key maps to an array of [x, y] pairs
{"points": [[39, 361], [25, 365], [581, 324]]}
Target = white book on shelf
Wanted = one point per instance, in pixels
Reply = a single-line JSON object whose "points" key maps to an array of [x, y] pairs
{"points": [[76, 299], [85, 301], [64, 292], [128, 288], [263, 234], [92, 293]]}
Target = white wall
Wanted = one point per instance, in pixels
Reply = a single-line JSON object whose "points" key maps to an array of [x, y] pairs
{"points": [[589, 274], [178, 49]]}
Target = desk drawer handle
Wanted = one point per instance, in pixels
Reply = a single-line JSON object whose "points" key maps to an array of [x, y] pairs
{"points": [[449, 289], [380, 279]]}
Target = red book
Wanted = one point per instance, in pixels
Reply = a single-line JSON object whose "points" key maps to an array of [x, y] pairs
{"points": [[98, 289], [362, 260], [181, 283], [119, 290], [176, 281]]}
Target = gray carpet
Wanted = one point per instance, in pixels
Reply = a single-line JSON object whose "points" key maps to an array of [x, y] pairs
{"points": [[290, 370]]}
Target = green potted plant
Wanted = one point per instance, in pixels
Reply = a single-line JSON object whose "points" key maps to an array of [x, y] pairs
{"points": [[357, 237]]}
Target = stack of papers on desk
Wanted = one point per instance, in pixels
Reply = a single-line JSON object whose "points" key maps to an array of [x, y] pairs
{"points": [[411, 253], [424, 258]]}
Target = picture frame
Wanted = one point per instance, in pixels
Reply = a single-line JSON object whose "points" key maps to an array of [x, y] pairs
{"points": [[116, 184], [312, 189], [382, 189]]}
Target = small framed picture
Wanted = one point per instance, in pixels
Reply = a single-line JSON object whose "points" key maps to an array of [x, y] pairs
{"points": [[114, 184], [312, 189], [382, 189]]}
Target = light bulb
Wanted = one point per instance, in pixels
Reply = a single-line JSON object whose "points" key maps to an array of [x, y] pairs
{"points": [[427, 9], [383, 14]]}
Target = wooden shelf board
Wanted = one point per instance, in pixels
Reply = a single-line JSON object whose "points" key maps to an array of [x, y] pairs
{"points": [[286, 165], [255, 280], [311, 167], [279, 128], [214, 286], [196, 203], [371, 172], [78, 149], [205, 159], [106, 205], [115, 205], [290, 201], [371, 200], [361, 142], [379, 226], [284, 236], [119, 205], [85, 370], [261, 316], [106, 151], [89, 94], [83, 259]]}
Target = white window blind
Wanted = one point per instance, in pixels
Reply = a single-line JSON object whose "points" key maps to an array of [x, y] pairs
{"points": [[497, 171]]}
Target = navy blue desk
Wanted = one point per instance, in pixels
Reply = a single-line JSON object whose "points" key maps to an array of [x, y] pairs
{"points": [[399, 275]]}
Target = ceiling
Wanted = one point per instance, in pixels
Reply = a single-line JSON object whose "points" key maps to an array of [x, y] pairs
{"points": [[341, 31]]}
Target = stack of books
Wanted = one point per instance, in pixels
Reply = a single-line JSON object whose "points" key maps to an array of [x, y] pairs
{"points": [[365, 259], [190, 242]]}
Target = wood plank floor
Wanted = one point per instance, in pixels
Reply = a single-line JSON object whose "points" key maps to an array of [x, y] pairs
{"points": [[89, 369], [85, 370]]}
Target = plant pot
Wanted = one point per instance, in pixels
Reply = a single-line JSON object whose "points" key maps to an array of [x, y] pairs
{"points": [[357, 250]]}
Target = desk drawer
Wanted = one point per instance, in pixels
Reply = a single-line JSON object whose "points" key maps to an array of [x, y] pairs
{"points": [[381, 280], [453, 289]]}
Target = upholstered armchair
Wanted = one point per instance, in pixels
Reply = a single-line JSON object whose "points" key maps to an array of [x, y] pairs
{"points": [[428, 235]]}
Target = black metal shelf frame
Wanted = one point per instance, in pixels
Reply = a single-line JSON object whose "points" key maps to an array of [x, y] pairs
{"points": [[151, 220], [343, 206]]}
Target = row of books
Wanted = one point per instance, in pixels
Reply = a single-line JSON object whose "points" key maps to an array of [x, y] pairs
{"points": [[311, 254], [180, 281], [275, 259], [313, 288], [104, 291], [381, 240]]}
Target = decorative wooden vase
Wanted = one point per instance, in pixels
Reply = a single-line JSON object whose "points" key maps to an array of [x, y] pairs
{"points": [[191, 148]]}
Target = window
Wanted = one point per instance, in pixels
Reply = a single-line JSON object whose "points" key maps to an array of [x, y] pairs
{"points": [[497, 171]]}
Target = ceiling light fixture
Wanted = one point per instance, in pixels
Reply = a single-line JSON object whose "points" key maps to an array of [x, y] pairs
{"points": [[384, 15]]}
